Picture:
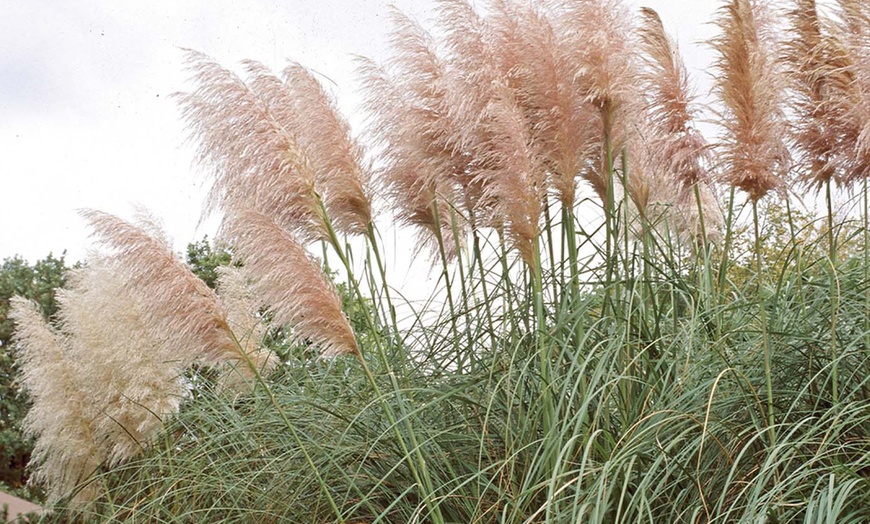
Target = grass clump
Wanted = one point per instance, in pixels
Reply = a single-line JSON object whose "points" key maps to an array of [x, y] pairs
{"points": [[604, 344]]}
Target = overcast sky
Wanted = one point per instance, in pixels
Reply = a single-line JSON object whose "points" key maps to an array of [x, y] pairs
{"points": [[86, 118]]}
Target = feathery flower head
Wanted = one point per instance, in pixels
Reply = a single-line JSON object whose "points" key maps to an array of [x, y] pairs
{"points": [[300, 105], [254, 161], [290, 283], [751, 87], [130, 371], [173, 300], [414, 128], [65, 453], [514, 177], [677, 152], [561, 120]]}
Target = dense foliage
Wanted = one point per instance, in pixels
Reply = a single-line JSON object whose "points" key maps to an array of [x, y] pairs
{"points": [[650, 409]]}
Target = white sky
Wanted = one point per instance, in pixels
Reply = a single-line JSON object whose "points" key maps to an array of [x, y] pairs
{"points": [[86, 118]]}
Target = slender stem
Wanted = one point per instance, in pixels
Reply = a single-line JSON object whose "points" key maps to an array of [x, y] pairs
{"points": [[608, 224], [507, 283], [702, 233], [627, 293], [704, 250], [626, 258], [726, 247], [487, 303], [570, 233], [832, 256], [448, 284], [418, 468], [798, 250], [550, 248], [466, 303], [650, 299], [543, 350], [372, 237], [626, 213], [765, 336], [866, 233]]}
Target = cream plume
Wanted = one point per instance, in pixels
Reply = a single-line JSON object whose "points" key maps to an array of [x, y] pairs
{"points": [[65, 452], [132, 371]]}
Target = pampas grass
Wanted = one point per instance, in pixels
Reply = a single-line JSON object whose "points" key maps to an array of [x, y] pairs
{"points": [[597, 40], [830, 80], [252, 160], [174, 302], [126, 367], [851, 82], [130, 324], [120, 374], [598, 36], [514, 178], [577, 373], [413, 125], [249, 326], [304, 109], [560, 120], [808, 53], [472, 68]]}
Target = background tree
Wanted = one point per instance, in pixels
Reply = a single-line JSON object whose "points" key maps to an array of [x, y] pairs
{"points": [[204, 259]]}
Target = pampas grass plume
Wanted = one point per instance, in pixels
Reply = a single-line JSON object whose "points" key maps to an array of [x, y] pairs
{"points": [[515, 177], [65, 452], [291, 284], [676, 149], [815, 131], [560, 119], [303, 108], [130, 323], [129, 371], [750, 84], [252, 159], [174, 301], [412, 124]]}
